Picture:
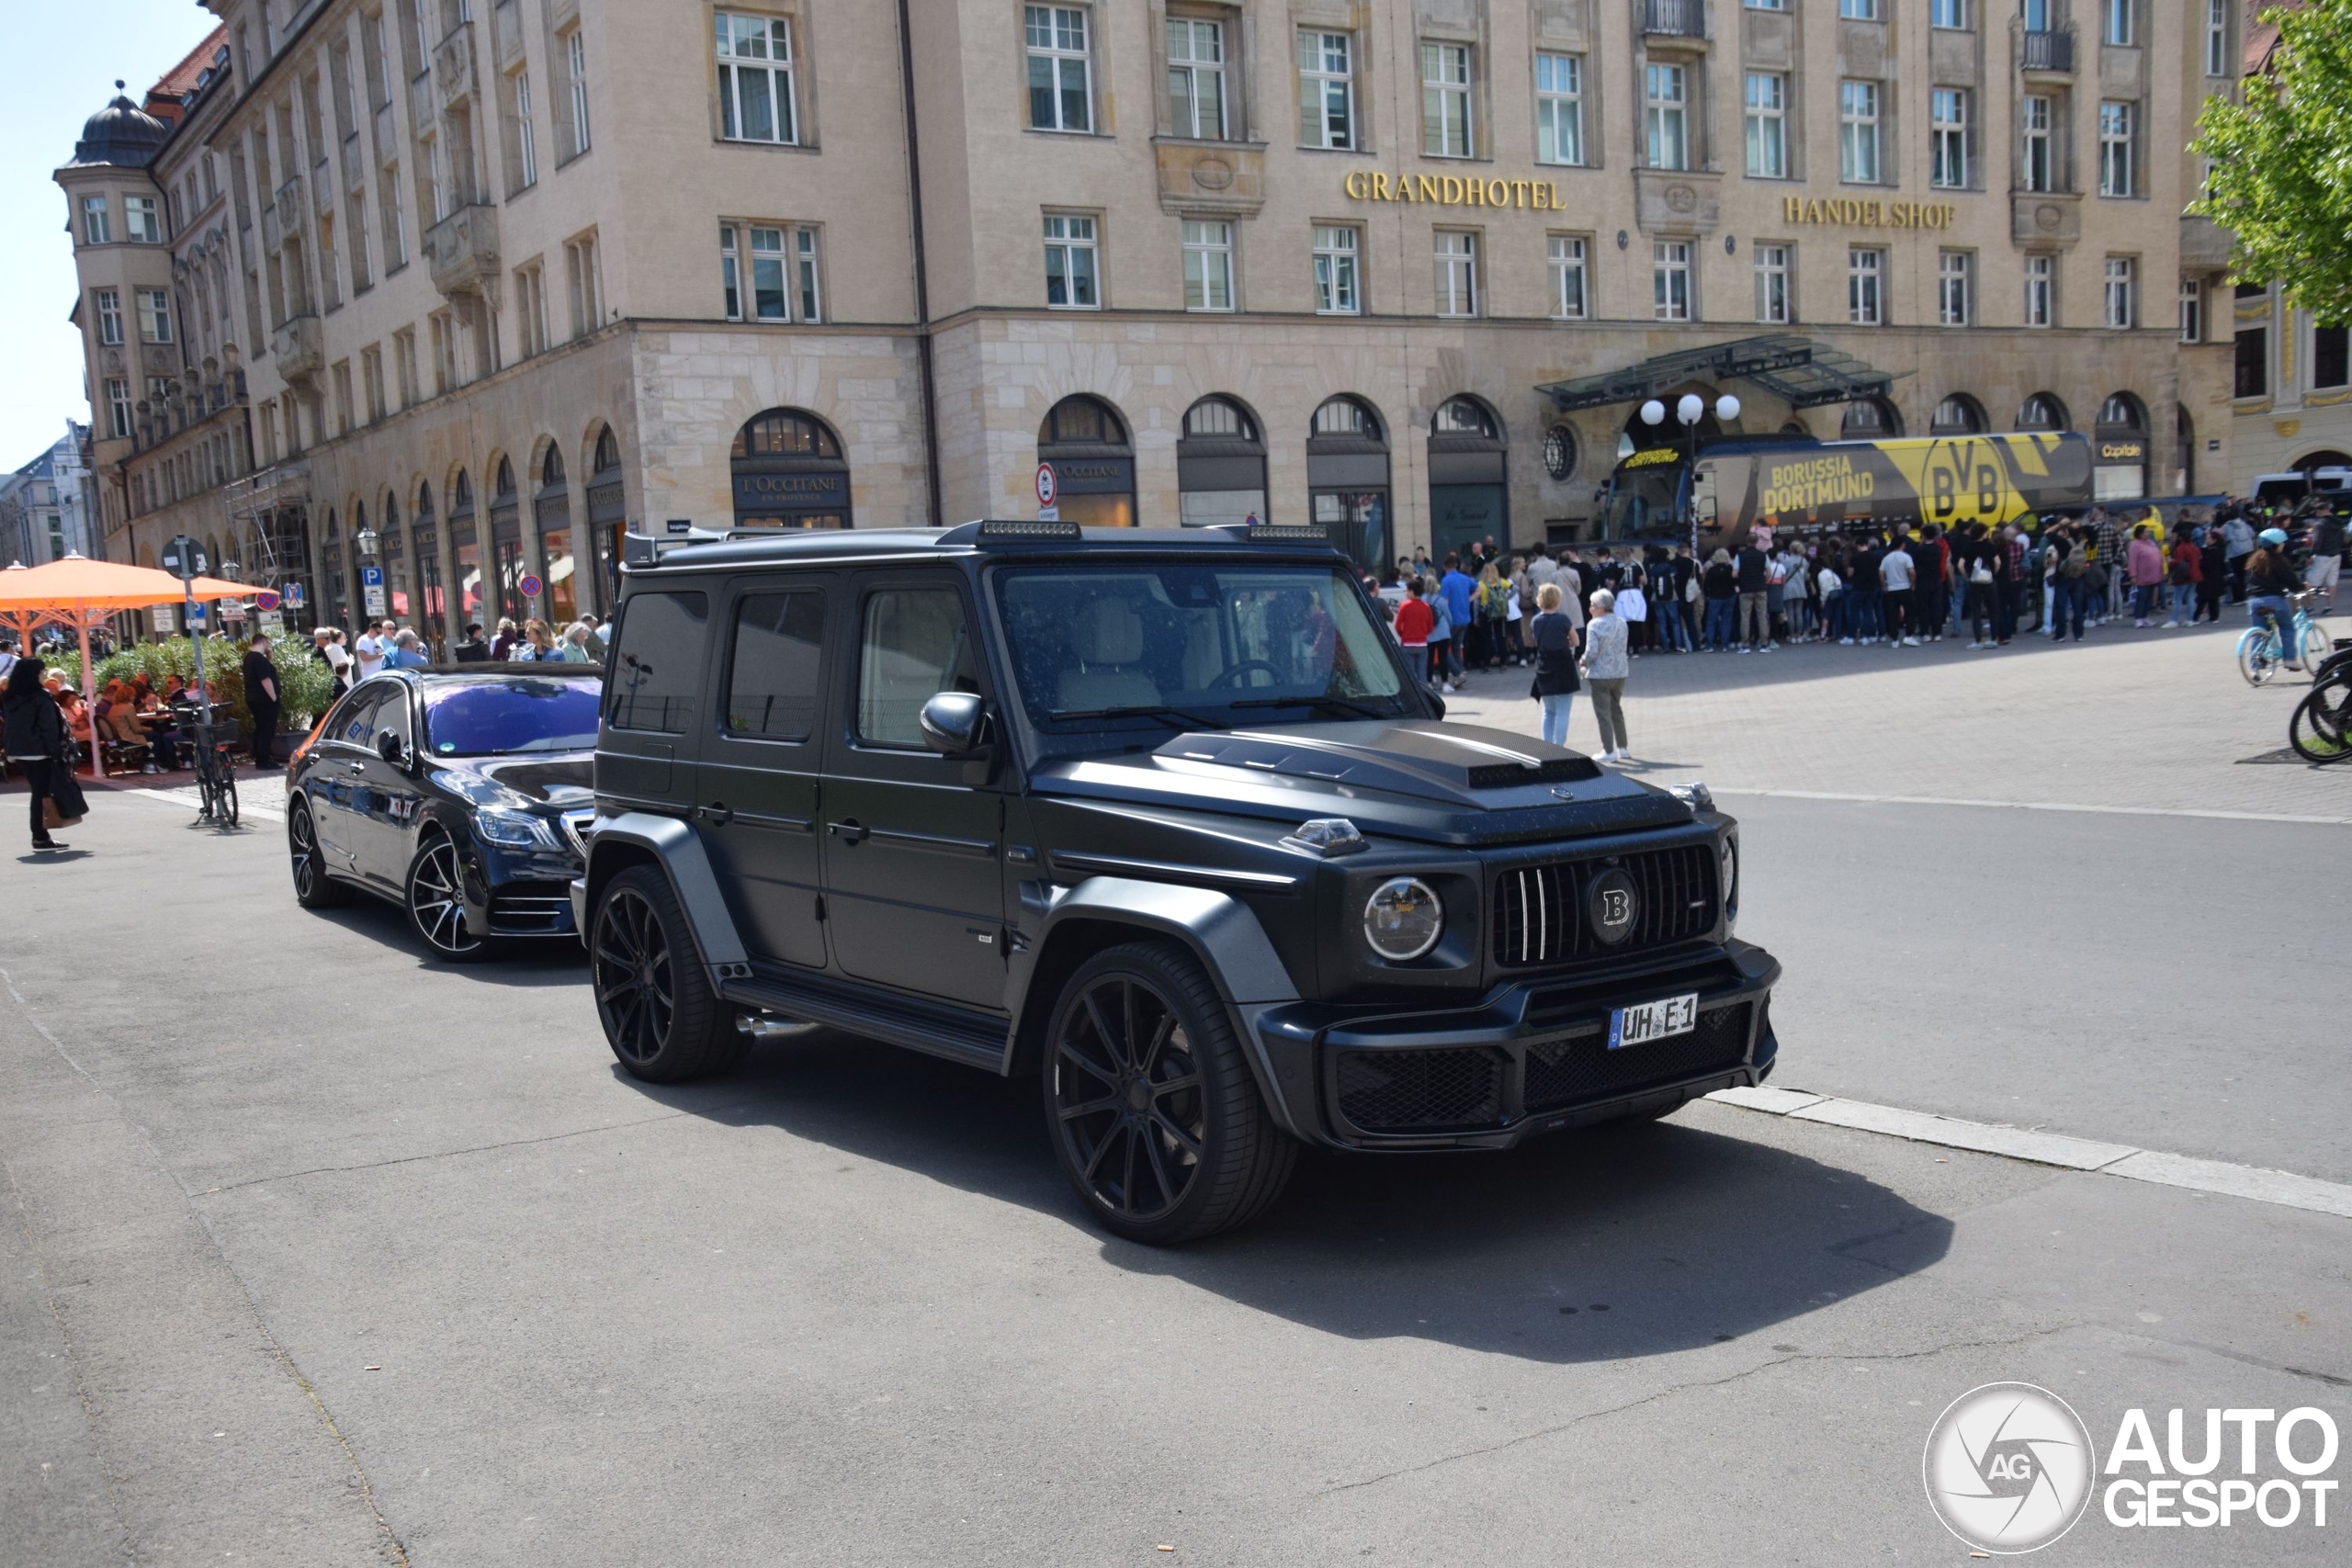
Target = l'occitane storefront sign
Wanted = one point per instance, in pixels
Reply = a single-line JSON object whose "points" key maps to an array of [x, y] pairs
{"points": [[1454, 190]]}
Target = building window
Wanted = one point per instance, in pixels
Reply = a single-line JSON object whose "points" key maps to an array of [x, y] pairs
{"points": [[1948, 138], [1208, 265], [96, 228], [1446, 100], [527, 136], [109, 305], [1857, 132], [586, 283], [2217, 38], [2040, 165], [1956, 287], [1666, 113], [1072, 264], [2331, 357], [2253, 371], [755, 96], [395, 220], [1767, 4], [1326, 90], [1771, 283], [577, 66], [118, 407], [1949, 13], [2040, 292], [1571, 278], [1337, 287], [371, 384], [155, 314], [1195, 79], [141, 223], [405, 365], [763, 268], [2123, 292], [1457, 274], [1858, 10], [1670, 280], [1768, 113], [2114, 149], [2115, 21], [2192, 311], [1559, 108], [1865, 285], [1061, 90], [531, 309]]}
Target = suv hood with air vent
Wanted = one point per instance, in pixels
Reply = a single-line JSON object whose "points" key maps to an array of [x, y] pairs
{"points": [[1415, 778]]}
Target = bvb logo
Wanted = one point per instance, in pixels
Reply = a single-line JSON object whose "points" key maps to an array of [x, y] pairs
{"points": [[1964, 481], [2009, 1467]]}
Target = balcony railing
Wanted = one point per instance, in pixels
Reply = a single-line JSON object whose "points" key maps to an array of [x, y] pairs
{"points": [[1674, 19], [2052, 51]]}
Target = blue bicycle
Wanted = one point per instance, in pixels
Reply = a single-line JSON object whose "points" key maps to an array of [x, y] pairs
{"points": [[2260, 653]]}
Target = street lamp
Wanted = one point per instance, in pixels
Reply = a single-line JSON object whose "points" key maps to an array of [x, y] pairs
{"points": [[365, 543], [1689, 410]]}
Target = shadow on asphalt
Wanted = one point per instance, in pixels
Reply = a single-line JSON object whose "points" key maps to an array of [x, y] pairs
{"points": [[532, 962], [1617, 1242]]}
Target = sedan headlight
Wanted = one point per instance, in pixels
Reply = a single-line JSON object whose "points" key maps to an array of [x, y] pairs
{"points": [[1729, 878], [1403, 918], [513, 829]]}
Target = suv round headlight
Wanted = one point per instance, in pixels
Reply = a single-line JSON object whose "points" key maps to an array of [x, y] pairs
{"points": [[1730, 876], [1403, 918]]}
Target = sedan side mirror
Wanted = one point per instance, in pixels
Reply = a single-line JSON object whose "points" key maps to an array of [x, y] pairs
{"points": [[389, 747], [954, 724]]}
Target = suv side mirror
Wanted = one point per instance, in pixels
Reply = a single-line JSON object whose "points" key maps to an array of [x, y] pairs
{"points": [[389, 746], [954, 724]]}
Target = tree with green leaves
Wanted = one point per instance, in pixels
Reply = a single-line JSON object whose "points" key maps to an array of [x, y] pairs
{"points": [[2282, 161]]}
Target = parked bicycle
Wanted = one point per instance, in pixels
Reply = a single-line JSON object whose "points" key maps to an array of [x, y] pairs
{"points": [[216, 775], [2261, 654], [2320, 730]]}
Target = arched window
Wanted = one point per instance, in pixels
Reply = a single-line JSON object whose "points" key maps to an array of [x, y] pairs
{"points": [[424, 543], [331, 558], [1347, 480], [607, 511], [1869, 419], [608, 452], [2120, 450], [789, 473], [1958, 414], [2122, 411], [551, 516], [391, 549], [1085, 441], [464, 548], [506, 544], [1220, 465], [2041, 412], [1469, 489]]}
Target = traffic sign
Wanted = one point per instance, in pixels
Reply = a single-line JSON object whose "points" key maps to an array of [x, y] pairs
{"points": [[294, 594], [531, 586], [181, 558], [266, 599], [371, 577], [162, 616], [1049, 485], [196, 616]]}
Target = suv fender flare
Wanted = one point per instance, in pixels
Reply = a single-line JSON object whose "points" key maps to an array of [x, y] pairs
{"points": [[1217, 929], [634, 837]]}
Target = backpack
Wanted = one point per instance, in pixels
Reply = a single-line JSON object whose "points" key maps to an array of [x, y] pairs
{"points": [[2075, 564]]}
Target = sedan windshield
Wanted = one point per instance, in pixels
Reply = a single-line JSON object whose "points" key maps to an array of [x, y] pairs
{"points": [[498, 719], [1194, 645]]}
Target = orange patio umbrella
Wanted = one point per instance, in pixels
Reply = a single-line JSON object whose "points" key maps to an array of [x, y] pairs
{"points": [[84, 592]]}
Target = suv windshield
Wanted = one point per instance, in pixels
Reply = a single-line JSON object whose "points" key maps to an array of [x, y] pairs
{"points": [[496, 718], [1191, 645]]}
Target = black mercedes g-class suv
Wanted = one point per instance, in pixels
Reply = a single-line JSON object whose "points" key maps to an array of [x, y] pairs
{"points": [[1161, 816]]}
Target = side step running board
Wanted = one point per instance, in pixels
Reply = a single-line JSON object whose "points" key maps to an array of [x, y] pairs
{"points": [[975, 1040]]}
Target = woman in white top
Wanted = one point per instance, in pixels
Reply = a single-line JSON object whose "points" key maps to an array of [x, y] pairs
{"points": [[1605, 668]]}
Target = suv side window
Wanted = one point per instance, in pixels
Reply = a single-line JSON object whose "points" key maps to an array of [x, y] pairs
{"points": [[772, 692], [657, 664], [915, 644]]}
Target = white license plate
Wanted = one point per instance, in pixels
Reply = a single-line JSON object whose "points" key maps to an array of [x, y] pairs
{"points": [[1640, 1024]]}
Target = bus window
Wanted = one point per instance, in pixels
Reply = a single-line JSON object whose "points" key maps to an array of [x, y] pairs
{"points": [[1702, 493]]}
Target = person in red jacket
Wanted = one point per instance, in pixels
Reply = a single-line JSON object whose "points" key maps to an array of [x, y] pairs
{"points": [[2188, 578], [1415, 621]]}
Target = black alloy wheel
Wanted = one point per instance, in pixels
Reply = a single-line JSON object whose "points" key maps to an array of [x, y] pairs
{"points": [[434, 907], [2320, 728], [653, 996], [1154, 1114], [314, 888]]}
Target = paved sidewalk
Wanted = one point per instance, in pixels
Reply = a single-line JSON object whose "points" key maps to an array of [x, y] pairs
{"points": [[2031, 723]]}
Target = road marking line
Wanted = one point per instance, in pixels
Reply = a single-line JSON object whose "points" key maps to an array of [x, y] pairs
{"points": [[2282, 1188], [192, 801], [2038, 806]]}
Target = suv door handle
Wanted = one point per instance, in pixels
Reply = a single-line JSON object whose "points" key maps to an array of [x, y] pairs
{"points": [[717, 812], [849, 828]]}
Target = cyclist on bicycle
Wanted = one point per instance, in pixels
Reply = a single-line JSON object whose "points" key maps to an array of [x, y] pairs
{"points": [[2271, 578]]}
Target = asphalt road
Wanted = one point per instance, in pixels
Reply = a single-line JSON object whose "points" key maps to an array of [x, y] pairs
{"points": [[312, 1252]]}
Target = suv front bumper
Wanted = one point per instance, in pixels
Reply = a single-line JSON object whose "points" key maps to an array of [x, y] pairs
{"points": [[1529, 1058]]}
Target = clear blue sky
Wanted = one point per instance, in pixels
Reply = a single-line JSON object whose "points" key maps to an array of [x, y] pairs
{"points": [[68, 55]]}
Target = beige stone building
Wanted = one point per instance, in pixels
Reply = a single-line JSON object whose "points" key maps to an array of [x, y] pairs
{"points": [[483, 282]]}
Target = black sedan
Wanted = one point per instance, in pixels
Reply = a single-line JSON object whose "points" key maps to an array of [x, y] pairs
{"points": [[456, 792]]}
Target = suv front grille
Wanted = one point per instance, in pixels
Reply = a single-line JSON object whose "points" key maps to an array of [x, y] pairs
{"points": [[1423, 1091], [1539, 909], [1567, 1071]]}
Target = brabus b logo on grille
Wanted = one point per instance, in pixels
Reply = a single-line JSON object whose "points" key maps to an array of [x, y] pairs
{"points": [[1613, 906]]}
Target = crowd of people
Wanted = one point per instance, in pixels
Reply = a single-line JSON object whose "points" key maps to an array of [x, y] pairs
{"points": [[386, 645]]}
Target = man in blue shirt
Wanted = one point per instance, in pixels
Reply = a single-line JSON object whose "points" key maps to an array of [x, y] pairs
{"points": [[1455, 588]]}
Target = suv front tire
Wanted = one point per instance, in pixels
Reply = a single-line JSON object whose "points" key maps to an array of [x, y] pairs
{"points": [[1152, 1111]]}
